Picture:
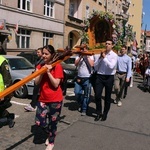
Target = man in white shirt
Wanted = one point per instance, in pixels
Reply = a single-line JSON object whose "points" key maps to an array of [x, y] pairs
{"points": [[82, 85], [106, 68]]}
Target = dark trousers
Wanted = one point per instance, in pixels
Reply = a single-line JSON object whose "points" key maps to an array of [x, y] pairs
{"points": [[101, 82], [35, 95]]}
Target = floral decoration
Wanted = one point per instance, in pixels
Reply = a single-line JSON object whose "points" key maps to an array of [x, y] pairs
{"points": [[122, 34], [102, 15]]}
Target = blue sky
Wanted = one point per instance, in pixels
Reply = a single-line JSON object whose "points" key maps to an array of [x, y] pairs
{"points": [[146, 17]]}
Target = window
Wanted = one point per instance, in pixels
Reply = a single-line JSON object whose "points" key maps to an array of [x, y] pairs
{"points": [[72, 7], [71, 39], [100, 1], [24, 5], [105, 3], [23, 38], [49, 8], [47, 37], [87, 11]]}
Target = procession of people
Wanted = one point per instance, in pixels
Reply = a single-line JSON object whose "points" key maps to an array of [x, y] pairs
{"points": [[111, 71]]}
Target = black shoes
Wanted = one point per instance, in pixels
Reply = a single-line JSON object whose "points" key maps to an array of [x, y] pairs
{"points": [[103, 117], [98, 117], [124, 96]]}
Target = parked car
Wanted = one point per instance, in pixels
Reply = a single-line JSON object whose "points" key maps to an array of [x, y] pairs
{"points": [[30, 56], [71, 60], [20, 68]]}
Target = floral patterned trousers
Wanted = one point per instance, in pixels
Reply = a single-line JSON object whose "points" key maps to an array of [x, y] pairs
{"points": [[47, 115]]}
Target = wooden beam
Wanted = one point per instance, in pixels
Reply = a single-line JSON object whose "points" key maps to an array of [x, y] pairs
{"points": [[65, 55], [15, 86]]}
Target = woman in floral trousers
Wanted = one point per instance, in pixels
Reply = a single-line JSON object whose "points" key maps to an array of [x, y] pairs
{"points": [[51, 96]]}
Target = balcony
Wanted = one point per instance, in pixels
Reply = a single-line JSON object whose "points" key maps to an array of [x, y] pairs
{"points": [[125, 4], [119, 16], [125, 16], [71, 18]]}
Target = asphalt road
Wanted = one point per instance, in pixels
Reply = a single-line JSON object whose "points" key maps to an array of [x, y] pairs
{"points": [[127, 127]]}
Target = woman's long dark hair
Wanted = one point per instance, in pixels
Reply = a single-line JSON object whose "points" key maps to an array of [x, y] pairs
{"points": [[50, 48]]}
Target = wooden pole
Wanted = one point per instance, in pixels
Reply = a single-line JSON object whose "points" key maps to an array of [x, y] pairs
{"points": [[15, 86], [66, 55], [89, 52]]}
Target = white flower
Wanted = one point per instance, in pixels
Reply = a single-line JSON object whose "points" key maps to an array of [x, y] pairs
{"points": [[114, 26]]}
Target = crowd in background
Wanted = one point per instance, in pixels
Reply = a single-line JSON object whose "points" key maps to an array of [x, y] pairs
{"points": [[141, 64]]}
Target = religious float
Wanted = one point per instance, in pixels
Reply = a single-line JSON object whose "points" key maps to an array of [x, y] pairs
{"points": [[99, 27]]}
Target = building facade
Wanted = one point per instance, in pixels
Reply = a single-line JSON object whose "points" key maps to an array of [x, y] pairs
{"points": [[123, 11], [135, 18], [147, 42], [76, 11], [31, 24]]}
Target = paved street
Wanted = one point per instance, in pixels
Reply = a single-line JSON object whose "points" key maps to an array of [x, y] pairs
{"points": [[127, 127]]}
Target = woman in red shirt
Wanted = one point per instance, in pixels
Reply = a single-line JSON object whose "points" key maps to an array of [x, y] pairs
{"points": [[51, 96]]}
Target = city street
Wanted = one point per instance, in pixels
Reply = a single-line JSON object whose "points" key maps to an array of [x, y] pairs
{"points": [[126, 128]]}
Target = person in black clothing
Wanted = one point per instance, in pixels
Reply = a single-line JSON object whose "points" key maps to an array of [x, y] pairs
{"points": [[106, 69], [32, 106]]}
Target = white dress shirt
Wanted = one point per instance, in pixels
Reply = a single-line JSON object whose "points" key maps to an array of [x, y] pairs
{"points": [[107, 65]]}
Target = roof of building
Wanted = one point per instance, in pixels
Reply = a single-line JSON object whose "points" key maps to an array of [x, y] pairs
{"points": [[147, 33]]}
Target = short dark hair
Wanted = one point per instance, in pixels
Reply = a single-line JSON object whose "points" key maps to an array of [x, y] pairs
{"points": [[124, 46], [41, 49], [50, 48], [110, 39]]}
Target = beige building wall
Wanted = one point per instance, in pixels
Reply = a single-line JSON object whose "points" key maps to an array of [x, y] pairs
{"points": [[93, 5], [135, 19], [11, 3], [73, 24], [35, 39]]}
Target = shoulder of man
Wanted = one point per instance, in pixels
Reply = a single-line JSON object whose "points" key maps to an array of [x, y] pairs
{"points": [[112, 52]]}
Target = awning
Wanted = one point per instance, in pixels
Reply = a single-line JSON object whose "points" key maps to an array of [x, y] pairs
{"points": [[5, 32]]}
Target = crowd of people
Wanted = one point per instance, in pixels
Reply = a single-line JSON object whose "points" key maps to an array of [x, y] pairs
{"points": [[110, 71], [107, 70], [142, 63]]}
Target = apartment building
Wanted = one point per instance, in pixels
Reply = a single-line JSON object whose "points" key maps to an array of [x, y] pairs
{"points": [[147, 40], [135, 18], [128, 18], [29, 24]]}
